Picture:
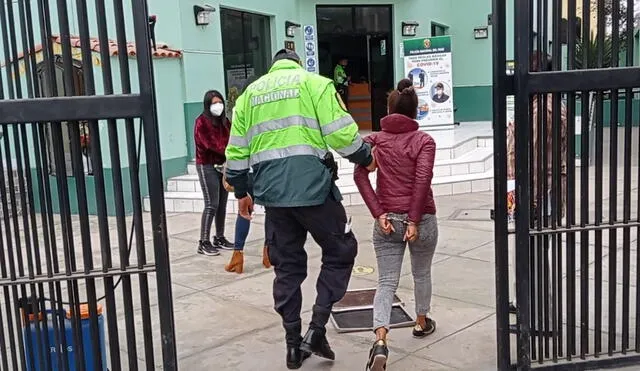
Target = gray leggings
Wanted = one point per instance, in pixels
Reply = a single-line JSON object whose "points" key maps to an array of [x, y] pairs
{"points": [[215, 201], [389, 254]]}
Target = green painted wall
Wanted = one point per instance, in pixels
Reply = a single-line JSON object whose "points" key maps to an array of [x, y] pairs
{"points": [[473, 103], [606, 108], [203, 66], [170, 168], [191, 111]]}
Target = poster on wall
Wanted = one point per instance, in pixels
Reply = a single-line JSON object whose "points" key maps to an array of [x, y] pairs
{"points": [[427, 62], [237, 77], [310, 50]]}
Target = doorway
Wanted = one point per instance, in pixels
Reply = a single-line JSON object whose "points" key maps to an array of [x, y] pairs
{"points": [[363, 35], [246, 49]]}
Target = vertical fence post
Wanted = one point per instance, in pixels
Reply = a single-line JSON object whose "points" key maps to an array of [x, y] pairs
{"points": [[522, 30], [154, 171], [500, 185]]}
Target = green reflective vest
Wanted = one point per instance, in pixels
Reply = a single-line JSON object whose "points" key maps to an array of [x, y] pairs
{"points": [[339, 75], [283, 125]]}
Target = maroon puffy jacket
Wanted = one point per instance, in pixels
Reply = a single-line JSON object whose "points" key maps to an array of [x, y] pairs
{"points": [[405, 159], [211, 140]]}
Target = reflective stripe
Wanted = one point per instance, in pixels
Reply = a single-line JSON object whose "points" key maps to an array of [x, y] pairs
{"points": [[238, 141], [279, 153], [352, 148], [336, 125], [282, 123], [238, 165]]}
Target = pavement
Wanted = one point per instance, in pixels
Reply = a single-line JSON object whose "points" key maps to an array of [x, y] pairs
{"points": [[225, 319]]}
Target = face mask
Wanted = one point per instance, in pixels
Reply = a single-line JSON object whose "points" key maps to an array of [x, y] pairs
{"points": [[439, 92], [216, 109]]}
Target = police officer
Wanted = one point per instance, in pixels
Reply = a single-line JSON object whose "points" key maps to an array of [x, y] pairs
{"points": [[283, 126], [341, 79]]}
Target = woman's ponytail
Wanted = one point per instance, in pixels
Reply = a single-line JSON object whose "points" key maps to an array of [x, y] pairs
{"points": [[404, 99]]}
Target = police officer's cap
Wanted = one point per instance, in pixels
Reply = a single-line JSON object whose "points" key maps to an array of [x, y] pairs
{"points": [[286, 54]]}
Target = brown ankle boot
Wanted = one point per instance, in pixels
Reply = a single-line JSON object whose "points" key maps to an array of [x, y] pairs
{"points": [[265, 257], [237, 262]]}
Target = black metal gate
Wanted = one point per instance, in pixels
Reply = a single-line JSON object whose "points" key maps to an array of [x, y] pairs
{"points": [[69, 247], [577, 298]]}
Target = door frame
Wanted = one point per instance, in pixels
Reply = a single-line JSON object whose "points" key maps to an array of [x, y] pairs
{"points": [[375, 126], [390, 48]]}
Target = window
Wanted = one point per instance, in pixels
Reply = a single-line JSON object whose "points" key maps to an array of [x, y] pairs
{"points": [[246, 48], [82, 126], [439, 30]]}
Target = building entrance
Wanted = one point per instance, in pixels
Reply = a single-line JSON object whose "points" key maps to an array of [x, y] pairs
{"points": [[363, 36], [246, 46]]}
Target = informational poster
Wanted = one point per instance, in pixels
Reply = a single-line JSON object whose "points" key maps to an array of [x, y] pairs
{"points": [[237, 77], [310, 49], [427, 62]]}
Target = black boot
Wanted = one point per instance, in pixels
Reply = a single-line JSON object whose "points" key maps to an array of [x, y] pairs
{"points": [[295, 356], [315, 341]]}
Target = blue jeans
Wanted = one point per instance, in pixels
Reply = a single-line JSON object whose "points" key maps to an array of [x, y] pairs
{"points": [[242, 231]]}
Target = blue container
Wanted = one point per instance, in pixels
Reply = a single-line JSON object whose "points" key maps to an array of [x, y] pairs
{"points": [[33, 364]]}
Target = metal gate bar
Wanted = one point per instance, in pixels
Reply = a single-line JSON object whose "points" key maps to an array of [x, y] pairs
{"points": [[555, 327], [40, 251]]}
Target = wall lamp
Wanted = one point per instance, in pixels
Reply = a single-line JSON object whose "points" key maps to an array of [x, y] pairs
{"points": [[409, 28], [481, 32], [291, 28], [202, 14]]}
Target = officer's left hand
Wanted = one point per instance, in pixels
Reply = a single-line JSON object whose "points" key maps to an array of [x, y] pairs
{"points": [[245, 207], [373, 165]]}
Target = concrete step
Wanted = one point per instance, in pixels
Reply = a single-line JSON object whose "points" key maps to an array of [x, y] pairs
{"points": [[466, 183], [465, 167], [461, 149], [193, 201], [478, 160]]}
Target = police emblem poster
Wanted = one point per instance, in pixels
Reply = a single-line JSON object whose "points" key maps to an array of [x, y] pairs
{"points": [[427, 62]]}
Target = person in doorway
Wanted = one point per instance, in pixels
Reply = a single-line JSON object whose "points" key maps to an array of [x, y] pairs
{"points": [[211, 134], [405, 214], [341, 79], [293, 177], [440, 96]]}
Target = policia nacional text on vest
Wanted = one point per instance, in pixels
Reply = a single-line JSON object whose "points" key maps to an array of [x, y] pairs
{"points": [[284, 125]]}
